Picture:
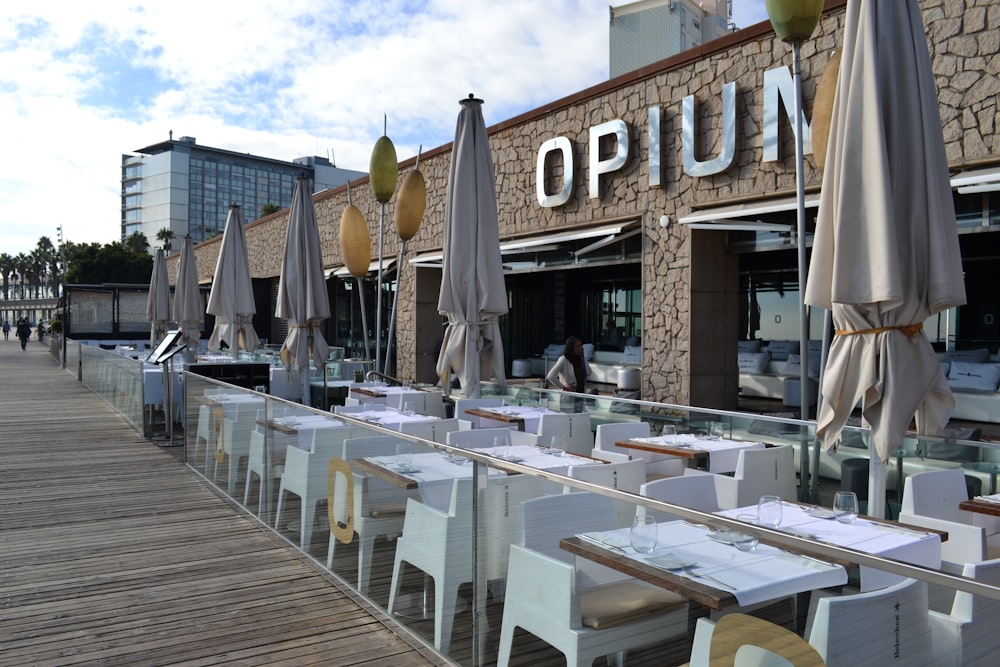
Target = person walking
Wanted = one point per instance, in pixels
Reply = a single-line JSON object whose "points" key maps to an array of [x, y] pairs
{"points": [[6, 329], [23, 332]]}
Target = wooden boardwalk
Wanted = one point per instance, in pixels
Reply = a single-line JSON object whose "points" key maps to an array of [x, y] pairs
{"points": [[114, 552]]}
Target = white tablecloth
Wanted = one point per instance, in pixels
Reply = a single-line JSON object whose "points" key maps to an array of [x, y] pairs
{"points": [[764, 574], [531, 415], [723, 455]]}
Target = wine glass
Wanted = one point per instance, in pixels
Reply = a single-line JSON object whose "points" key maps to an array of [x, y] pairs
{"points": [[669, 434], [501, 447], [543, 403], [769, 511], [642, 536], [557, 445], [746, 541], [845, 506], [408, 407], [716, 430], [404, 455]]}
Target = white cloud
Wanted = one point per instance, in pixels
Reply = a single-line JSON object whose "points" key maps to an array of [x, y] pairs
{"points": [[82, 83]]}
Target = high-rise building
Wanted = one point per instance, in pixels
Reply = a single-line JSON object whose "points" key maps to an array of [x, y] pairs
{"points": [[188, 189], [648, 31]]}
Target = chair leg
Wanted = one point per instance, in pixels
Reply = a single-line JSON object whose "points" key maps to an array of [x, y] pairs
{"points": [[366, 547], [445, 602], [308, 516], [394, 586], [277, 513]]}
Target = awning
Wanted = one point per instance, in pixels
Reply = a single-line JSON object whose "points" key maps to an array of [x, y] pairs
{"points": [[342, 272], [603, 235], [977, 180], [739, 217]]}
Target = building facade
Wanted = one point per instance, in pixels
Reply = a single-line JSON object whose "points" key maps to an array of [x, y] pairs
{"points": [[648, 31], [662, 199], [188, 189]]}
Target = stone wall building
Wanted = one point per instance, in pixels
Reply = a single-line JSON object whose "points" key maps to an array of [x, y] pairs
{"points": [[692, 299]]}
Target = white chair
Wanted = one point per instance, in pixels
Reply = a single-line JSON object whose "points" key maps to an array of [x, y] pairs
{"points": [[477, 438], [575, 426], [657, 465], [256, 467], [628, 476], [759, 472], [694, 491], [967, 637], [436, 430], [306, 476], [439, 543], [544, 598], [882, 627], [232, 447], [937, 493], [424, 402], [610, 457], [357, 407], [361, 505], [463, 404]]}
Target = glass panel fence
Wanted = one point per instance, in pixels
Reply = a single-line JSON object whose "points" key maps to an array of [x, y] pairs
{"points": [[532, 527]]}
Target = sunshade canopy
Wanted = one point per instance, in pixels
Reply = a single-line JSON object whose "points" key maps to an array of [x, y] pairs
{"points": [[231, 299]]}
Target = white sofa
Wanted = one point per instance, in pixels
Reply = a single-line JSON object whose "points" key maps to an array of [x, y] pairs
{"points": [[602, 366]]}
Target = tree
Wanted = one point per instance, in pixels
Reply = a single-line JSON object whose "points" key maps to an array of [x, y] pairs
{"points": [[269, 208], [165, 236], [92, 264], [137, 242], [7, 264]]}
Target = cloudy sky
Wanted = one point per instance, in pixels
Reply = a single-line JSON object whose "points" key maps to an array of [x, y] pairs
{"points": [[83, 83]]}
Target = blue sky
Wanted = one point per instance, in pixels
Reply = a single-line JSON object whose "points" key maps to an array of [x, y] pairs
{"points": [[83, 83]]}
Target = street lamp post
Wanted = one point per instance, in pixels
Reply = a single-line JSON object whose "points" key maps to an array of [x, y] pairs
{"points": [[794, 22]]}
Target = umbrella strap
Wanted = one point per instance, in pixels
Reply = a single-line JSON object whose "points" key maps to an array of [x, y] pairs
{"points": [[910, 330]]}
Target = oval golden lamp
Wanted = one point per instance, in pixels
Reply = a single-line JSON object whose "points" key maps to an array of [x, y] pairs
{"points": [[794, 20], [823, 109], [355, 242]]}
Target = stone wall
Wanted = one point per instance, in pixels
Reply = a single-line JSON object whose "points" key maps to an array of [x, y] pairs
{"points": [[964, 36]]}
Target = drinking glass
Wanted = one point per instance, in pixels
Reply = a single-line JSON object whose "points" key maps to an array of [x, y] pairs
{"points": [[406, 384], [558, 445], [845, 506], [642, 536], [716, 430], [669, 434], [404, 455], [543, 403], [501, 447], [408, 407], [746, 541], [769, 511]]}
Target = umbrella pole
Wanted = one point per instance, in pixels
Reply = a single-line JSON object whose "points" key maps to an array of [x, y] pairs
{"points": [[392, 317], [824, 355], [800, 196], [364, 318], [378, 295], [876, 484]]}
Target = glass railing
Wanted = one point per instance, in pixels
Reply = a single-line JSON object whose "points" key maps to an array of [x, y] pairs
{"points": [[118, 379], [475, 548]]}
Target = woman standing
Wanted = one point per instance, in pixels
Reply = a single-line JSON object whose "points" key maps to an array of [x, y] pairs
{"points": [[569, 373]]}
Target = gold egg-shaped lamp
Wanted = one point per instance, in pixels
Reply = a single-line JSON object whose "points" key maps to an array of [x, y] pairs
{"points": [[823, 109], [794, 21], [355, 241], [383, 169], [410, 205]]}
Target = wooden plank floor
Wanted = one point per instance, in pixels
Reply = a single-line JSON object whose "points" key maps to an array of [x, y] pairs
{"points": [[114, 552]]}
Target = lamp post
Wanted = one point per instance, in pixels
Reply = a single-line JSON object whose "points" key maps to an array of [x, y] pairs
{"points": [[794, 22]]}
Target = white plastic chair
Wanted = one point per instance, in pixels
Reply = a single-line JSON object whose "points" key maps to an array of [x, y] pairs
{"points": [[759, 472], [967, 637], [628, 476], [424, 402], [440, 543], [463, 404], [694, 491], [575, 426], [361, 505], [544, 598], [882, 627], [610, 457], [306, 475], [937, 493], [657, 465], [478, 438], [232, 448], [255, 468], [436, 430]]}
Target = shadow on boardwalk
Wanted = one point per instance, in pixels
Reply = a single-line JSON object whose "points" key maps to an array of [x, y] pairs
{"points": [[113, 552]]}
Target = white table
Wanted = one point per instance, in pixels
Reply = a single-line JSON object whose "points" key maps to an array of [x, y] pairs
{"points": [[879, 539], [723, 454], [530, 416]]}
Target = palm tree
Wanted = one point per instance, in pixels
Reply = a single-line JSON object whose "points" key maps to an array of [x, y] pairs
{"points": [[137, 243], [21, 267], [6, 269], [49, 258], [165, 236]]}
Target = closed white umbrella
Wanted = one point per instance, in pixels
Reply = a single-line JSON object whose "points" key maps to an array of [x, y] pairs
{"points": [[189, 309], [158, 301], [231, 298], [302, 295], [473, 293], [886, 255]]}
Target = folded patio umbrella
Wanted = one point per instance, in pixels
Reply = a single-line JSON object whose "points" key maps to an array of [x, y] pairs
{"points": [[231, 298]]}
